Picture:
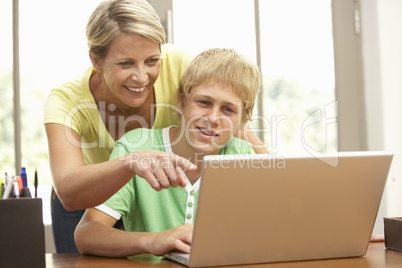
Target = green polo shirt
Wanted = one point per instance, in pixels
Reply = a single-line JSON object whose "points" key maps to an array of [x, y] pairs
{"points": [[142, 208]]}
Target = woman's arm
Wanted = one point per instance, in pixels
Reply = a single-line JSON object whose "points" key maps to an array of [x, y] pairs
{"points": [[95, 235], [82, 186], [245, 133]]}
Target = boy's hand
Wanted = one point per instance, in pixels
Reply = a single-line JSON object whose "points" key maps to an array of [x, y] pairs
{"points": [[161, 170], [176, 238]]}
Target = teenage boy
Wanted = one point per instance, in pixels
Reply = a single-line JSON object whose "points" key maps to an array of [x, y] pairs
{"points": [[216, 98]]}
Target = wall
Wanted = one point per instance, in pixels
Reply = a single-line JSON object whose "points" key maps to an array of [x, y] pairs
{"points": [[382, 56]]}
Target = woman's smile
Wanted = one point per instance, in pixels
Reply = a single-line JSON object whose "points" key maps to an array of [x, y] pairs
{"points": [[136, 89]]}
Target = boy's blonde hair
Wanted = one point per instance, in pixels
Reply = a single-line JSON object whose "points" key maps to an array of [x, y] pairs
{"points": [[224, 67], [115, 17]]}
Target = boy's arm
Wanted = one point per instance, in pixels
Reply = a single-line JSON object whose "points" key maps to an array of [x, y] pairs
{"points": [[245, 133], [95, 235]]}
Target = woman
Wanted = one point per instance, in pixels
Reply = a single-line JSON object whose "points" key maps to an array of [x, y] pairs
{"points": [[133, 83]]}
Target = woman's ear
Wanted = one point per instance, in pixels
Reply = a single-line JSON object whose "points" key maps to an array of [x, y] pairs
{"points": [[96, 63]]}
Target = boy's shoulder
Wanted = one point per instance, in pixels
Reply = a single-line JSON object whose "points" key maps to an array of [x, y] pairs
{"points": [[140, 138], [237, 146], [140, 131]]}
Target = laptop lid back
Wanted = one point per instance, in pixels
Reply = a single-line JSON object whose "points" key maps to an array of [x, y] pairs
{"points": [[258, 209]]}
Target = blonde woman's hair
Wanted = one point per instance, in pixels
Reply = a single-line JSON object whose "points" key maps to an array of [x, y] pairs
{"points": [[223, 67], [115, 17]]}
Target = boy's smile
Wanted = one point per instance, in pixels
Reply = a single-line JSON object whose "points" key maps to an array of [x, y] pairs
{"points": [[207, 133]]}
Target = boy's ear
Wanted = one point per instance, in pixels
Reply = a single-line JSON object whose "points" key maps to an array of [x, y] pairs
{"points": [[178, 102], [96, 63]]}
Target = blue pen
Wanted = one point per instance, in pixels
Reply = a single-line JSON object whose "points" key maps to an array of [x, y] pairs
{"points": [[24, 178], [25, 190]]}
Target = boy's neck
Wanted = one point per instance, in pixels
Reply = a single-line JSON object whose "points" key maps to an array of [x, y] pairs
{"points": [[181, 148]]}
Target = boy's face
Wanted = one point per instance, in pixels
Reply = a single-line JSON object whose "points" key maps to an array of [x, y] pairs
{"points": [[212, 114]]}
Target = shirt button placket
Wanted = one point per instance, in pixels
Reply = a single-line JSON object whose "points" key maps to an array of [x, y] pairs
{"points": [[190, 207]]}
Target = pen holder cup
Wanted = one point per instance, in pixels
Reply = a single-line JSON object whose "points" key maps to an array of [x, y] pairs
{"points": [[22, 239], [393, 233]]}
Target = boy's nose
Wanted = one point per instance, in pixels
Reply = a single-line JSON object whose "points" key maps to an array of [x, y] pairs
{"points": [[213, 116]]}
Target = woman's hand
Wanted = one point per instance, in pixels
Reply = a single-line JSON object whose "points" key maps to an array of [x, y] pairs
{"points": [[161, 170], [176, 238]]}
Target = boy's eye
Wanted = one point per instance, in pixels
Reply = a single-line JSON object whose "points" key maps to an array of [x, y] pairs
{"points": [[228, 110], [202, 102]]}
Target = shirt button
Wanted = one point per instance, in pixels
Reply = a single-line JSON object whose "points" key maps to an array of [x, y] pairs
{"points": [[192, 193], [188, 216], [190, 204]]}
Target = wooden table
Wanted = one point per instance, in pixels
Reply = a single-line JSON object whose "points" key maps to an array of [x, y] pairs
{"points": [[377, 256]]}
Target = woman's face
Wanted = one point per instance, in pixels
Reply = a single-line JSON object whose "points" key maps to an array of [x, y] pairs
{"points": [[130, 69]]}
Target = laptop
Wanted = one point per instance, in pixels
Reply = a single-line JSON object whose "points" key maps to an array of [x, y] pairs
{"points": [[263, 208]]}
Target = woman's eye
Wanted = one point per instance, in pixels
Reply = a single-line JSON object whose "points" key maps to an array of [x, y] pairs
{"points": [[153, 61], [126, 63]]}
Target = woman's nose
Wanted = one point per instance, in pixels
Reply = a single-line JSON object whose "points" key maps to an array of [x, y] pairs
{"points": [[139, 75]]}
